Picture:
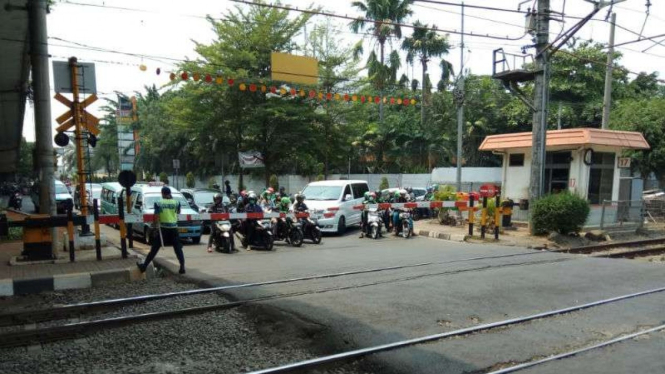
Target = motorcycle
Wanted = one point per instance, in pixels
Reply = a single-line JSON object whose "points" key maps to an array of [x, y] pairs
{"points": [[262, 236], [16, 201], [310, 229], [222, 233], [406, 224], [290, 231], [374, 223]]}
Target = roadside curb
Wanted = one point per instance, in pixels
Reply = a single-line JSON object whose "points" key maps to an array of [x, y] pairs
{"points": [[441, 235], [23, 286]]}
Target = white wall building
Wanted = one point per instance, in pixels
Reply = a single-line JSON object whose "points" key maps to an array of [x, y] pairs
{"points": [[585, 161]]}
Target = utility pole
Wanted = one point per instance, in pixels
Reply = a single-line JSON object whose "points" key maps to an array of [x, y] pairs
{"points": [[41, 87], [460, 108], [607, 99], [541, 102]]}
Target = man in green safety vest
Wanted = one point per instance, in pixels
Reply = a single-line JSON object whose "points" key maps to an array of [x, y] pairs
{"points": [[166, 222]]}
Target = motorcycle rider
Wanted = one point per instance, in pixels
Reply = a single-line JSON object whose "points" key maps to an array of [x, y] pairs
{"points": [[400, 196], [251, 207], [217, 207], [300, 205], [279, 223], [363, 215], [242, 201]]}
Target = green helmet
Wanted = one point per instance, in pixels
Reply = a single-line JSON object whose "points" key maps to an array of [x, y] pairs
{"points": [[396, 194], [366, 195], [285, 201]]}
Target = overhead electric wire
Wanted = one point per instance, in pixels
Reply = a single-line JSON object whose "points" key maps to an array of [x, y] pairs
{"points": [[328, 14]]}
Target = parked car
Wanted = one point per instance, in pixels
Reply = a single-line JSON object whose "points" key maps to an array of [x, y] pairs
{"points": [[109, 197], [199, 199], [332, 202], [63, 199], [144, 197], [92, 191]]}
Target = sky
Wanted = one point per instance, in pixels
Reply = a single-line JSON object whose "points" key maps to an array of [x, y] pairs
{"points": [[160, 33]]}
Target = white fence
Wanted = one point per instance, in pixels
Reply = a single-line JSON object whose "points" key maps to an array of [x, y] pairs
{"points": [[472, 178]]}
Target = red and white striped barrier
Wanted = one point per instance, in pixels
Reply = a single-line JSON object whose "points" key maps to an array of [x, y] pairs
{"points": [[135, 218], [413, 205]]}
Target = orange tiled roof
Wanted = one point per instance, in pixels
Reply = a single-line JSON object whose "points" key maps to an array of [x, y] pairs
{"points": [[568, 137]]}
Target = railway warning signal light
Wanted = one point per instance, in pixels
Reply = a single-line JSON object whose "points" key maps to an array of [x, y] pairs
{"points": [[92, 140], [61, 139]]}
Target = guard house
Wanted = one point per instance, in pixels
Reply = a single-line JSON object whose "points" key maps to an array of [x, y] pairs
{"points": [[585, 161]]}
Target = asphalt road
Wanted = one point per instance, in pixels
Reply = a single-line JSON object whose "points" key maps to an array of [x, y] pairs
{"points": [[454, 292]]}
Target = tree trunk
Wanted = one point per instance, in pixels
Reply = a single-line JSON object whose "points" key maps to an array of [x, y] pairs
{"points": [[382, 44], [424, 95]]}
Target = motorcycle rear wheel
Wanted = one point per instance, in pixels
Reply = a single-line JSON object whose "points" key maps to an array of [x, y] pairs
{"points": [[268, 242], [296, 238], [374, 232], [406, 230], [316, 235]]}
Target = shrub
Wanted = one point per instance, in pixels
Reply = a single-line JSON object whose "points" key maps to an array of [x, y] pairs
{"points": [[563, 212], [384, 183], [164, 178], [189, 180], [273, 182], [149, 177], [211, 182], [320, 177], [445, 193]]}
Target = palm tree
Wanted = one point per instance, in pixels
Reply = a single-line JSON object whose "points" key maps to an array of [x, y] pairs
{"points": [[425, 44], [382, 16]]}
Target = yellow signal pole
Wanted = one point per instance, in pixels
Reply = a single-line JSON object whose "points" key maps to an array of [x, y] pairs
{"points": [[78, 118]]}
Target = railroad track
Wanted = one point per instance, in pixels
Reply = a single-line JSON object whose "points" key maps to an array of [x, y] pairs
{"points": [[75, 310], [29, 335], [607, 246], [359, 353]]}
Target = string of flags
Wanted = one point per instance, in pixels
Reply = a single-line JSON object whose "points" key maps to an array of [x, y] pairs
{"points": [[305, 93]]}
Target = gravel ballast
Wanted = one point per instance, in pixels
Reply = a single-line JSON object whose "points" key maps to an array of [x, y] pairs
{"points": [[229, 341]]}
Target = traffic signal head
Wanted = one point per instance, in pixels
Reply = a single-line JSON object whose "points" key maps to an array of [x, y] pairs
{"points": [[92, 140]]}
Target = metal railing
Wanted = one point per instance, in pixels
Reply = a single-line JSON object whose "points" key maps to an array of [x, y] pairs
{"points": [[625, 215], [519, 62]]}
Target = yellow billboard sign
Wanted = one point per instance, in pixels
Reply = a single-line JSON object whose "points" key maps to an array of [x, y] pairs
{"points": [[296, 69]]}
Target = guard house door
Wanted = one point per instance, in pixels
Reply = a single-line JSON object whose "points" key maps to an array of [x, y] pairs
{"points": [[557, 171]]}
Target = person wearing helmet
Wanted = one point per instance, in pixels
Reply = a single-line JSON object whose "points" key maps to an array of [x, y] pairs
{"points": [[220, 205], [242, 201], [252, 206], [300, 205], [166, 221], [282, 207], [400, 197], [364, 228]]}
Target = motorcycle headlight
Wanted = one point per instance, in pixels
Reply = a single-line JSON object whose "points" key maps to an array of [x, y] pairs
{"points": [[226, 226]]}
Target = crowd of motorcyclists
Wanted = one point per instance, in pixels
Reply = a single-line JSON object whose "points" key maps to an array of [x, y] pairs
{"points": [[255, 232]]}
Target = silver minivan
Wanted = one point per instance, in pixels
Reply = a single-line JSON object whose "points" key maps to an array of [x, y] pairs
{"points": [[332, 202]]}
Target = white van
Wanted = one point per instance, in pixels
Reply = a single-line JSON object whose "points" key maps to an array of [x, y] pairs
{"points": [[332, 202]]}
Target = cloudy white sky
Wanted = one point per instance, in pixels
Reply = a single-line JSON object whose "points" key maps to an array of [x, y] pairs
{"points": [[166, 28]]}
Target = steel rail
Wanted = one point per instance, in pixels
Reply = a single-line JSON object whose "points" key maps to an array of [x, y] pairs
{"points": [[602, 247], [635, 253], [307, 364], [577, 351], [70, 330], [28, 316]]}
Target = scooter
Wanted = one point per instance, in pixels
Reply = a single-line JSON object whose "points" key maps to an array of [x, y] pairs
{"points": [[374, 223], [311, 229], [290, 231], [222, 234], [404, 225], [262, 236], [16, 201]]}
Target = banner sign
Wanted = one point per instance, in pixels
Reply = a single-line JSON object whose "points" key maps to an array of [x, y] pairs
{"points": [[251, 159]]}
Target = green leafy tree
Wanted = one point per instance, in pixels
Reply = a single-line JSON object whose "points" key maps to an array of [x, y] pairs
{"points": [[423, 45], [25, 162], [212, 182], [149, 177], [190, 181], [381, 18], [384, 183], [274, 182], [164, 178]]}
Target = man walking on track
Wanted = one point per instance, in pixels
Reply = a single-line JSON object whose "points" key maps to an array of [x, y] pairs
{"points": [[166, 226]]}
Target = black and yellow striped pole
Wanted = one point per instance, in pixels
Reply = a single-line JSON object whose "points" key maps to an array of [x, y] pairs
{"points": [[498, 209], [123, 228], [70, 234], [98, 242], [471, 215], [483, 218]]}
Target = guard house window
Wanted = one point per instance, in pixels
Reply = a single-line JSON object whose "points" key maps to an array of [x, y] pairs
{"points": [[516, 159], [557, 171], [601, 177]]}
